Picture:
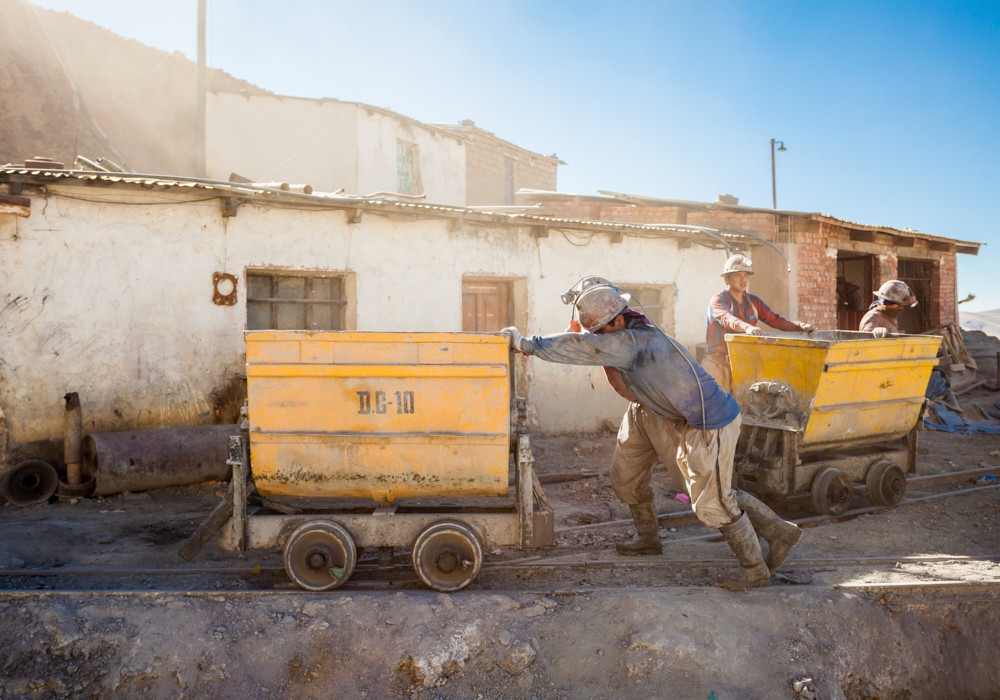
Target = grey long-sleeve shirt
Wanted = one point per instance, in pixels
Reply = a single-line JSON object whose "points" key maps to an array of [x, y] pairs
{"points": [[653, 369]]}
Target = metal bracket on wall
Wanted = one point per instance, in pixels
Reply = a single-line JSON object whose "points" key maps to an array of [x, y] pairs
{"points": [[219, 298]]}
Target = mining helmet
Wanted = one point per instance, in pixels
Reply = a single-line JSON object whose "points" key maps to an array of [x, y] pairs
{"points": [[738, 263], [896, 292], [598, 304]]}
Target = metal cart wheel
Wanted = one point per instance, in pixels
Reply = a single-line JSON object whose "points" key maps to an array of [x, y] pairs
{"points": [[320, 556], [447, 556], [30, 482], [886, 483], [832, 491]]}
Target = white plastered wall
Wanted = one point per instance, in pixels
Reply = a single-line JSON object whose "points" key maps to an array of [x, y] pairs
{"points": [[282, 139], [441, 157], [115, 301]]}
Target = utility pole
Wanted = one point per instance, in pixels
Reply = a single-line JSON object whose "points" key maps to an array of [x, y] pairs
{"points": [[774, 180], [199, 151]]}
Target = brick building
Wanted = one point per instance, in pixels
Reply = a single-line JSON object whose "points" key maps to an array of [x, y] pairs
{"points": [[831, 268], [496, 169]]}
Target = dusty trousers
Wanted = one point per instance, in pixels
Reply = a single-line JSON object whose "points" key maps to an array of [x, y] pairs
{"points": [[718, 368], [642, 437], [705, 458]]}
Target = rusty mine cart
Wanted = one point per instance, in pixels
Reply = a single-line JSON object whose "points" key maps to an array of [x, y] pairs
{"points": [[823, 413], [361, 439]]}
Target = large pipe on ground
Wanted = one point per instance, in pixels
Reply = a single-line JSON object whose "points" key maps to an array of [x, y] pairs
{"points": [[73, 438], [143, 460]]}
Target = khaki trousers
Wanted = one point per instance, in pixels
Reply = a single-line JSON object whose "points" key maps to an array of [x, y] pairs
{"points": [[705, 458], [642, 437], [718, 369]]}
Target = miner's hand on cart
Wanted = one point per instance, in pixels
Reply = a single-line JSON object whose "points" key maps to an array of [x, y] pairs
{"points": [[668, 391]]}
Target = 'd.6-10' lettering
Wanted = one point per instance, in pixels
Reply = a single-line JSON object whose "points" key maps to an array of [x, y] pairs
{"points": [[404, 402]]}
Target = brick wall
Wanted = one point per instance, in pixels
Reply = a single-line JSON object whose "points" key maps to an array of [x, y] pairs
{"points": [[484, 169], [887, 268], [816, 283], [943, 291]]}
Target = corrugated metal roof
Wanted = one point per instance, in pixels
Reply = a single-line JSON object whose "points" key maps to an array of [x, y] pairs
{"points": [[616, 198], [265, 196]]}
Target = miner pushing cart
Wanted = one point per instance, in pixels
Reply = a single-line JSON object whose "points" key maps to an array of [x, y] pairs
{"points": [[383, 440]]}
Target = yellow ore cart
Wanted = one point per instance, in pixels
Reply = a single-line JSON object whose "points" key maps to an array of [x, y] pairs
{"points": [[825, 412], [363, 439]]}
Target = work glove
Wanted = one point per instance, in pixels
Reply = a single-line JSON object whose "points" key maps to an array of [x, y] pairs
{"points": [[752, 330], [808, 328], [880, 333], [514, 337]]}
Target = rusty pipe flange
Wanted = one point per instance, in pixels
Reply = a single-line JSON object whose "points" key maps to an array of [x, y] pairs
{"points": [[31, 482], [447, 556], [70, 491], [320, 556]]}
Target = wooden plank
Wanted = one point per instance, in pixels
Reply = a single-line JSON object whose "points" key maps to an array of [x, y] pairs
{"points": [[18, 206], [219, 517]]}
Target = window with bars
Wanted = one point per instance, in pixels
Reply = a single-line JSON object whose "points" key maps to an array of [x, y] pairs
{"points": [[656, 300], [287, 301]]}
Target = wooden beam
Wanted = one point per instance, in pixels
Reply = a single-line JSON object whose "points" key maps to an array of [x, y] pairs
{"points": [[920, 244], [353, 216], [230, 205], [903, 241], [617, 237], [863, 236], [18, 206], [883, 239], [942, 246], [539, 231], [683, 243], [967, 249]]}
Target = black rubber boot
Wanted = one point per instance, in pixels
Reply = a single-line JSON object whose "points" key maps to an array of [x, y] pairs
{"points": [[753, 572], [780, 534], [648, 527]]}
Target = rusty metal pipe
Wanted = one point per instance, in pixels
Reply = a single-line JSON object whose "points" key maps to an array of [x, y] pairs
{"points": [[73, 438], [143, 460]]}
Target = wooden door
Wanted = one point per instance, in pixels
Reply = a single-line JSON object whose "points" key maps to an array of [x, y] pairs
{"points": [[485, 306]]}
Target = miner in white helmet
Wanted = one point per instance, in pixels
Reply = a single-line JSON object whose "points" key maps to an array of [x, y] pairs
{"points": [[669, 394], [736, 310], [883, 315]]}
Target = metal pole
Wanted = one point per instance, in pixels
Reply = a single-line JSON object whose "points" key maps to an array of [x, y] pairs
{"points": [[199, 157], [774, 182]]}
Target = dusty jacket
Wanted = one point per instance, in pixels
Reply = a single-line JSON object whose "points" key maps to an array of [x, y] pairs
{"points": [[878, 317], [726, 315], [653, 370]]}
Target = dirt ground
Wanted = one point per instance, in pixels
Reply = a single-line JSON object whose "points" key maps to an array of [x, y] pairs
{"points": [[650, 628]]}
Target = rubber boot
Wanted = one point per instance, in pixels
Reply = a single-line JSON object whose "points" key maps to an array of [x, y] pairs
{"points": [[753, 572], [780, 534], [648, 527]]}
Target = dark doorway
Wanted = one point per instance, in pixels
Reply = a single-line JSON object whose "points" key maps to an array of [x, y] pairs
{"points": [[917, 275], [855, 279]]}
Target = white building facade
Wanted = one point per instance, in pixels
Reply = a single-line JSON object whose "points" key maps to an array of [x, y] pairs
{"points": [[332, 145], [118, 291]]}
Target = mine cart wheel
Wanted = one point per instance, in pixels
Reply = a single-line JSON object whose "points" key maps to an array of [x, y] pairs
{"points": [[30, 482], [886, 483], [320, 556], [447, 556], [832, 491]]}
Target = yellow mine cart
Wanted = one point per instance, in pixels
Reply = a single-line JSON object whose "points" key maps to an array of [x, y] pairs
{"points": [[823, 413], [360, 439]]}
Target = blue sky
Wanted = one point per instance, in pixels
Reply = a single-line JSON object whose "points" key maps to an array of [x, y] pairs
{"points": [[890, 111]]}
